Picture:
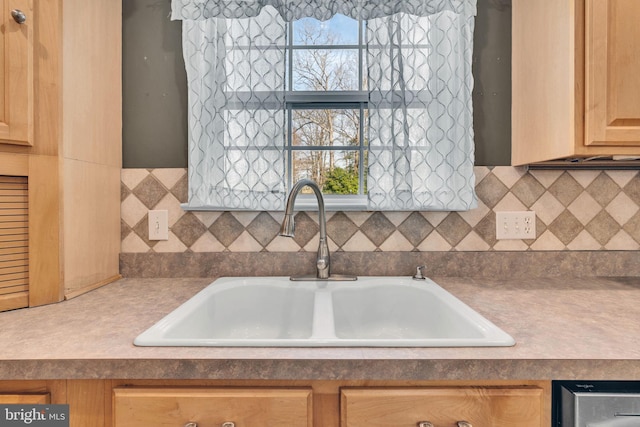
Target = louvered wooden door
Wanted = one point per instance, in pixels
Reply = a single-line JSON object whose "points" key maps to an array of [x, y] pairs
{"points": [[14, 243]]}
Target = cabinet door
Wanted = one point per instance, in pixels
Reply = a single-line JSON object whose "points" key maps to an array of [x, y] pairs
{"points": [[612, 75], [442, 407], [171, 407], [16, 72], [14, 242]]}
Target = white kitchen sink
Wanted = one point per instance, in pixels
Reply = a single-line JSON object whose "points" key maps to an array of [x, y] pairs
{"points": [[370, 312]]}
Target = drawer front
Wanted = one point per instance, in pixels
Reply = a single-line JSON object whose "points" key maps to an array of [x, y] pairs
{"points": [[25, 399], [211, 407], [442, 407]]}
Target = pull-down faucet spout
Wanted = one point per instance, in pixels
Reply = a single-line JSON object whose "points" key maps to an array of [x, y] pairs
{"points": [[323, 261]]}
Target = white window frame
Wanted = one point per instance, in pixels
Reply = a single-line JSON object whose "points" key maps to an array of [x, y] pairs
{"points": [[355, 99]]}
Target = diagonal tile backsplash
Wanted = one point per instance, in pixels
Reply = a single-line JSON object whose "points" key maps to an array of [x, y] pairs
{"points": [[583, 210]]}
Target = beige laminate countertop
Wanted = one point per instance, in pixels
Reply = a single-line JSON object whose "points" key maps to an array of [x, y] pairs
{"points": [[565, 328]]}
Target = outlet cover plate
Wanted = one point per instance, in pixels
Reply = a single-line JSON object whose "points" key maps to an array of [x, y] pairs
{"points": [[516, 225]]}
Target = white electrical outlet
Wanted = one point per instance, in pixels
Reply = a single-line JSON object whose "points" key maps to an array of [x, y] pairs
{"points": [[158, 225], [516, 225]]}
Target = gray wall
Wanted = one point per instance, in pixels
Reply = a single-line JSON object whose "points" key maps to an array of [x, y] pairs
{"points": [[155, 93], [154, 87]]}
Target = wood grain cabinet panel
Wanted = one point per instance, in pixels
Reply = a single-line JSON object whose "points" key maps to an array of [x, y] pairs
{"points": [[16, 72], [32, 392], [575, 79], [612, 61], [211, 407], [442, 407], [25, 399]]}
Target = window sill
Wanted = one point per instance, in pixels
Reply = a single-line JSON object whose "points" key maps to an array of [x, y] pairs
{"points": [[304, 203]]}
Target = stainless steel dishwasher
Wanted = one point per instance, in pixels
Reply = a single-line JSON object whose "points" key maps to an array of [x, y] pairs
{"points": [[596, 404]]}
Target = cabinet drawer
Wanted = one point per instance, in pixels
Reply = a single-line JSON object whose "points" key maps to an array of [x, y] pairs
{"points": [[25, 398], [211, 407], [442, 407]]}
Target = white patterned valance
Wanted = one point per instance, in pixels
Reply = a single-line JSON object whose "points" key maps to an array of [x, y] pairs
{"points": [[291, 10]]}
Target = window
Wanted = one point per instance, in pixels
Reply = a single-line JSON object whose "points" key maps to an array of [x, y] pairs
{"points": [[326, 102], [276, 95]]}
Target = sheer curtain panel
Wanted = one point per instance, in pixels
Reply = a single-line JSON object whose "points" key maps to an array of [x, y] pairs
{"points": [[421, 148], [420, 128], [236, 82]]}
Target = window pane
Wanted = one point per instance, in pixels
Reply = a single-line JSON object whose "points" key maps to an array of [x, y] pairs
{"points": [[339, 30], [326, 127], [336, 172], [325, 69]]}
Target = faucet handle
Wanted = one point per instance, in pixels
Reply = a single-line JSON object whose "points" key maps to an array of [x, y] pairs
{"points": [[419, 275]]}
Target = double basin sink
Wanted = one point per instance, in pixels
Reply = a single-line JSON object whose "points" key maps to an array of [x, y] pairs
{"points": [[369, 312]]}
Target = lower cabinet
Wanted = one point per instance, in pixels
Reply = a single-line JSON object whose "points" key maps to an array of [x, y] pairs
{"points": [[219, 407], [295, 403], [441, 407]]}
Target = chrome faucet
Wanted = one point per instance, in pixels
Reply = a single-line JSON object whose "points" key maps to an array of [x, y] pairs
{"points": [[323, 260]]}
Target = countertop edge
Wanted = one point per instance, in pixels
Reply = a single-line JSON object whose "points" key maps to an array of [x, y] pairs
{"points": [[263, 369]]}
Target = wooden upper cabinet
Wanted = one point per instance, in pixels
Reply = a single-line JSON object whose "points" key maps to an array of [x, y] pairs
{"points": [[449, 406], [16, 72], [575, 79], [612, 53]]}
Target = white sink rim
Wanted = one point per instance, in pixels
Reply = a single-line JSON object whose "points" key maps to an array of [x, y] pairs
{"points": [[323, 327]]}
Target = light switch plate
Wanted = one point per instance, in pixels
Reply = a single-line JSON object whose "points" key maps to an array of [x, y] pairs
{"points": [[159, 225], [516, 225]]}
